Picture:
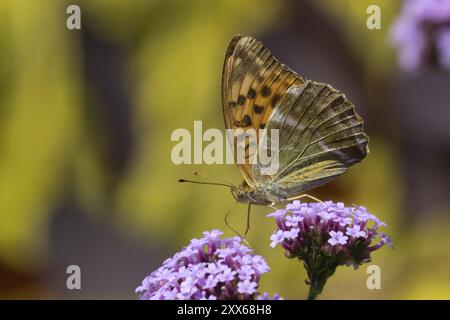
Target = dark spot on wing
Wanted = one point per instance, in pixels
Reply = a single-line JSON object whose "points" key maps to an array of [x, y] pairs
{"points": [[258, 109], [243, 54], [265, 91], [245, 122], [241, 100], [251, 93], [232, 45]]}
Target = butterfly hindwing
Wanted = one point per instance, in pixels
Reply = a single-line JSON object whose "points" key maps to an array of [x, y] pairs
{"points": [[320, 136], [253, 82]]}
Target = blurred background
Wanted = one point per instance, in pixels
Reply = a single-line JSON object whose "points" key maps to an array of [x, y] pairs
{"points": [[86, 118]]}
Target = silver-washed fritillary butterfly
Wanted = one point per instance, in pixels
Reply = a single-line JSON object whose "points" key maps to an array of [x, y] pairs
{"points": [[320, 133]]}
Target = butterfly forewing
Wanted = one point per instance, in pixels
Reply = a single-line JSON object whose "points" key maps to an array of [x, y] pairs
{"points": [[253, 82]]}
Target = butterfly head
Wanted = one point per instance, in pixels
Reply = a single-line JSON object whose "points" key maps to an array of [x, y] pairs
{"points": [[240, 193], [246, 194]]}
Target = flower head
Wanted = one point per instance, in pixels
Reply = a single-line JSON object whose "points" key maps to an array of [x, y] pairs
{"points": [[327, 235], [207, 269], [350, 230], [422, 32]]}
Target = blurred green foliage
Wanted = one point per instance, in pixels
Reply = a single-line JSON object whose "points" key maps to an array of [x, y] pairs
{"points": [[39, 103]]}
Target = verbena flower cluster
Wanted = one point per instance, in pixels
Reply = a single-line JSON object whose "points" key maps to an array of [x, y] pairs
{"points": [[342, 234], [325, 236], [209, 268], [422, 33]]}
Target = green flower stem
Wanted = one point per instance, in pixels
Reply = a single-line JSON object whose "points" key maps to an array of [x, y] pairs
{"points": [[316, 285], [318, 276]]}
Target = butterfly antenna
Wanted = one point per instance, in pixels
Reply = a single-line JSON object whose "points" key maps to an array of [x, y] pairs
{"points": [[201, 174], [210, 183]]}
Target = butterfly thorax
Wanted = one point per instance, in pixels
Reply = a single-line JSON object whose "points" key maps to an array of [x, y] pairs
{"points": [[260, 195]]}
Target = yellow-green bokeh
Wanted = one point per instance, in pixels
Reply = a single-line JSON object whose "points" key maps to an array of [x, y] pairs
{"points": [[173, 73]]}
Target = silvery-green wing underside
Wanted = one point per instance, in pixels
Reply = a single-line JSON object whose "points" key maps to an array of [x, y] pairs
{"points": [[320, 136]]}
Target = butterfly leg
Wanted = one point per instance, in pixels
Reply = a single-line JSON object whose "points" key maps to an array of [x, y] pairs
{"points": [[248, 220], [272, 206], [305, 196], [229, 225]]}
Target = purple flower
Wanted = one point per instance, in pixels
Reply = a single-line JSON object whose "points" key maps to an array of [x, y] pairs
{"points": [[209, 268], [355, 232], [277, 238], [266, 296], [327, 215], [421, 33], [247, 287], [246, 272], [197, 243], [277, 213], [210, 282], [296, 205], [188, 286], [337, 238], [226, 275], [292, 221], [279, 216], [327, 235], [292, 234], [386, 240], [213, 235]]}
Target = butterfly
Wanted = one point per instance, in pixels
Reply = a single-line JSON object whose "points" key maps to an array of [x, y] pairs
{"points": [[320, 133]]}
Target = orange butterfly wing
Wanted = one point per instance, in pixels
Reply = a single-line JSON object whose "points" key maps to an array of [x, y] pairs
{"points": [[253, 81]]}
